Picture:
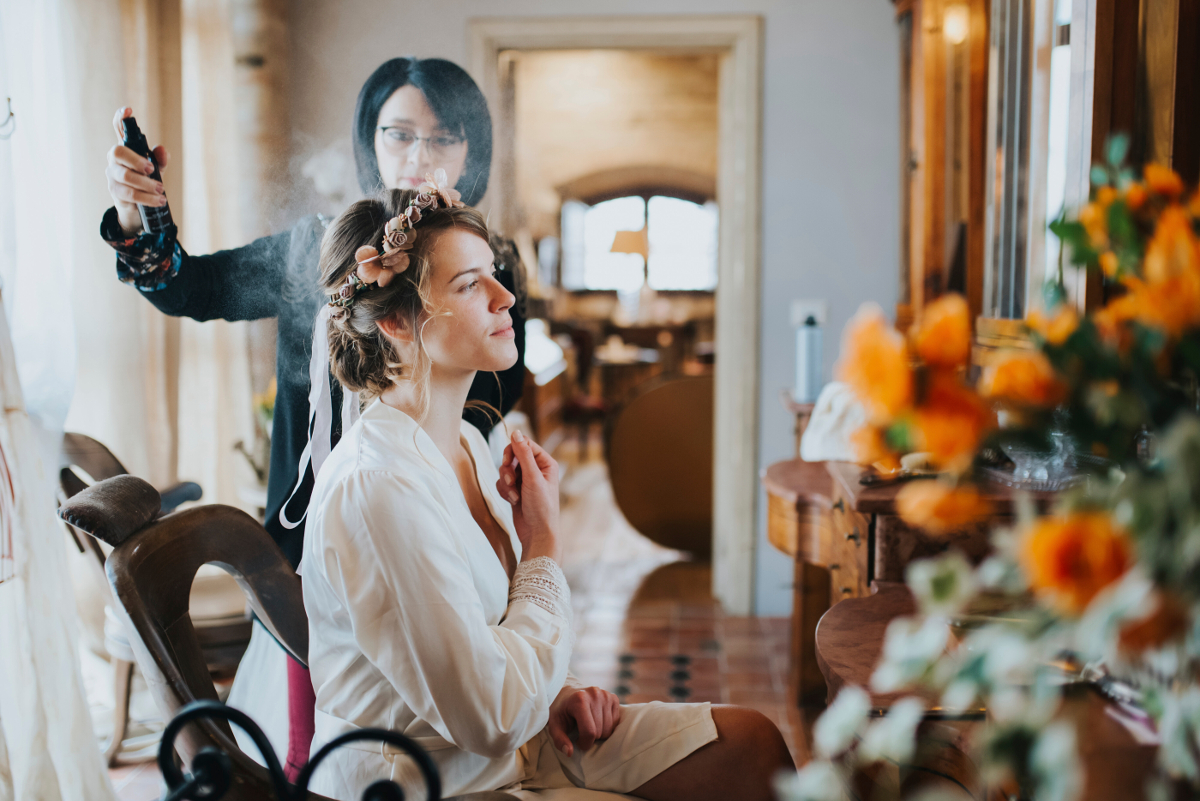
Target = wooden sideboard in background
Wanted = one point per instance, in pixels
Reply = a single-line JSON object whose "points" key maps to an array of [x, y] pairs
{"points": [[842, 536]]}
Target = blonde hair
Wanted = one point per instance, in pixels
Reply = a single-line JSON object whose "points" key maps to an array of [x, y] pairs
{"points": [[361, 357]]}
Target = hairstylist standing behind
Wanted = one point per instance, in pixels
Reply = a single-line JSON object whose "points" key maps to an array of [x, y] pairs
{"points": [[413, 116]]}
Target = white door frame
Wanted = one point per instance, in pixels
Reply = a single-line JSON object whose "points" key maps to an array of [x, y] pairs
{"points": [[738, 38]]}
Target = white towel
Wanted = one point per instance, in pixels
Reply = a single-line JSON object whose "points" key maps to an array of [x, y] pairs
{"points": [[836, 416]]}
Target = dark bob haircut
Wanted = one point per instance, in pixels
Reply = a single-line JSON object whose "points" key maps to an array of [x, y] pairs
{"points": [[455, 100]]}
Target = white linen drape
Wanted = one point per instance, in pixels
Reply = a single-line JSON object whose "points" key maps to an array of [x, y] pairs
{"points": [[88, 350], [47, 750]]}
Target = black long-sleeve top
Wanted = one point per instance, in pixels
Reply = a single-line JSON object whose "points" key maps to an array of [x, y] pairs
{"points": [[277, 276]]}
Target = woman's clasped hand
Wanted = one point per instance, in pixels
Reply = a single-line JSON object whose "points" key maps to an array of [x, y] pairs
{"points": [[533, 492], [590, 713]]}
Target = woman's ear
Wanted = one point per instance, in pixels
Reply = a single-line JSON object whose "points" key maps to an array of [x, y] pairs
{"points": [[396, 328]]}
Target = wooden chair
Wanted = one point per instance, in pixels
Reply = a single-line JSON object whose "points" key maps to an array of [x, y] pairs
{"points": [[660, 461], [150, 570], [221, 623]]}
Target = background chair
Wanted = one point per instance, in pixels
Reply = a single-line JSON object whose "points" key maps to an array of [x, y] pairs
{"points": [[660, 459], [151, 568], [218, 608]]}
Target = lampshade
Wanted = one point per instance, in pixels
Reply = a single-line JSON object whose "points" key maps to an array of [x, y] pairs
{"points": [[631, 242]]}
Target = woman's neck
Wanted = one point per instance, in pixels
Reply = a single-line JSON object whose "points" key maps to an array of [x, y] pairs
{"points": [[443, 419]]}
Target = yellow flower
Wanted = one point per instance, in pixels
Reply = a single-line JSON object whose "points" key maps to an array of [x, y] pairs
{"points": [[1109, 264], [1111, 321], [871, 448], [1171, 305], [951, 422], [1162, 180], [1173, 248], [1025, 378], [875, 364], [1135, 196], [1055, 328], [939, 508], [1072, 558], [944, 336]]}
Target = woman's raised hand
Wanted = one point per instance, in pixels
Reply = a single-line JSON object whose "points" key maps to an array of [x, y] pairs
{"points": [[129, 180], [533, 492]]}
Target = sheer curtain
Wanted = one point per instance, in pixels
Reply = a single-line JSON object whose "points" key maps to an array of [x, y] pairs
{"points": [[169, 397], [55, 66]]}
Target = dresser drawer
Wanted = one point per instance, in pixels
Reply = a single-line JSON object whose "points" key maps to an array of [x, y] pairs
{"points": [[847, 548]]}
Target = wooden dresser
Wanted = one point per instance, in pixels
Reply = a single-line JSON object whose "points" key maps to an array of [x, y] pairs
{"points": [[842, 536]]}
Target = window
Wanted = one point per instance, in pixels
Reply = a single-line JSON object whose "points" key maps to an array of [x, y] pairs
{"points": [[1030, 99], [680, 244]]}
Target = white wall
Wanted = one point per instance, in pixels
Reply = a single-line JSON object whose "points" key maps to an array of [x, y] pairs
{"points": [[830, 153]]}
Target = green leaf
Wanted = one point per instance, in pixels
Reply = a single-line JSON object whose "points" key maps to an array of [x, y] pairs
{"points": [[1121, 228], [1099, 176], [1118, 149], [1053, 293], [899, 437]]}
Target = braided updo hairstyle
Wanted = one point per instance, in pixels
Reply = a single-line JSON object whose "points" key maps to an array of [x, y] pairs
{"points": [[360, 355]]}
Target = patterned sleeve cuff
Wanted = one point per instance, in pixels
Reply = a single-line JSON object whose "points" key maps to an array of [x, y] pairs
{"points": [[541, 581], [148, 261]]}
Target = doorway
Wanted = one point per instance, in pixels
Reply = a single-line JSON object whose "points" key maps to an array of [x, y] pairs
{"points": [[732, 46]]}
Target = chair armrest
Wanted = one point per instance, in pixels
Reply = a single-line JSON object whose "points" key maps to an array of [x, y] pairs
{"points": [[114, 509], [177, 494]]}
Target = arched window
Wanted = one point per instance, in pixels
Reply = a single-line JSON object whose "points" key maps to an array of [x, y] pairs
{"points": [[680, 244]]}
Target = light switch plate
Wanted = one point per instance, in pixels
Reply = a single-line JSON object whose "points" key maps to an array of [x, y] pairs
{"points": [[803, 309]]}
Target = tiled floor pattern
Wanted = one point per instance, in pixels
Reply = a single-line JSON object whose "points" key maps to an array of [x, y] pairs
{"points": [[646, 626]]}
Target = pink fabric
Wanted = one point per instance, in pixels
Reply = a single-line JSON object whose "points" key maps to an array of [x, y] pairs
{"points": [[302, 703]]}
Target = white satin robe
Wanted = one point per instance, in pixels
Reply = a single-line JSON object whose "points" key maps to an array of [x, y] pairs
{"points": [[410, 629]]}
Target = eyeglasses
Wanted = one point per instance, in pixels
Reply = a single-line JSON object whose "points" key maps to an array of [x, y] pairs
{"points": [[399, 141]]}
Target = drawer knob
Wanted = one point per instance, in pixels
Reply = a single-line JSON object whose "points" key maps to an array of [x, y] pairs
{"points": [[846, 590], [840, 504], [835, 567], [853, 537]]}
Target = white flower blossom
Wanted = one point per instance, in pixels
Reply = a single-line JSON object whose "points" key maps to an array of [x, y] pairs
{"points": [[1054, 762], [910, 647], [816, 781], [942, 586], [835, 730], [894, 735]]}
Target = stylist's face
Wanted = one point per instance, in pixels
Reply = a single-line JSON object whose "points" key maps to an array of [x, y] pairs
{"points": [[411, 143]]}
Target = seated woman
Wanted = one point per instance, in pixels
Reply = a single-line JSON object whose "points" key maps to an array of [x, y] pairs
{"points": [[435, 601]]}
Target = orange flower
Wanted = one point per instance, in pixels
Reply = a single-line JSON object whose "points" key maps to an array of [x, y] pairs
{"points": [[1168, 621], [1111, 322], [1070, 559], [871, 447], [1057, 327], [1094, 219], [1171, 305], [939, 508], [1135, 196], [1173, 248], [951, 422], [875, 364], [944, 336], [1109, 264], [1162, 180], [1025, 378]]}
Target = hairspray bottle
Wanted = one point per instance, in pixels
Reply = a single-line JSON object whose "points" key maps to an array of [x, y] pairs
{"points": [[155, 219]]}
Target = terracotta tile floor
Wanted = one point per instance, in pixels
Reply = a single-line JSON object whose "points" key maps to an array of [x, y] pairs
{"points": [[647, 627]]}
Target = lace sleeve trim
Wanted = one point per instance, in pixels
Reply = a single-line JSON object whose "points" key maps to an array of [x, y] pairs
{"points": [[541, 581]]}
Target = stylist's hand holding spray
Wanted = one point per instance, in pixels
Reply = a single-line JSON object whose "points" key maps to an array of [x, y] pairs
{"points": [[131, 178]]}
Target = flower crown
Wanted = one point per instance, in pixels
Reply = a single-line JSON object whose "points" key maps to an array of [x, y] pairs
{"points": [[399, 236]]}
